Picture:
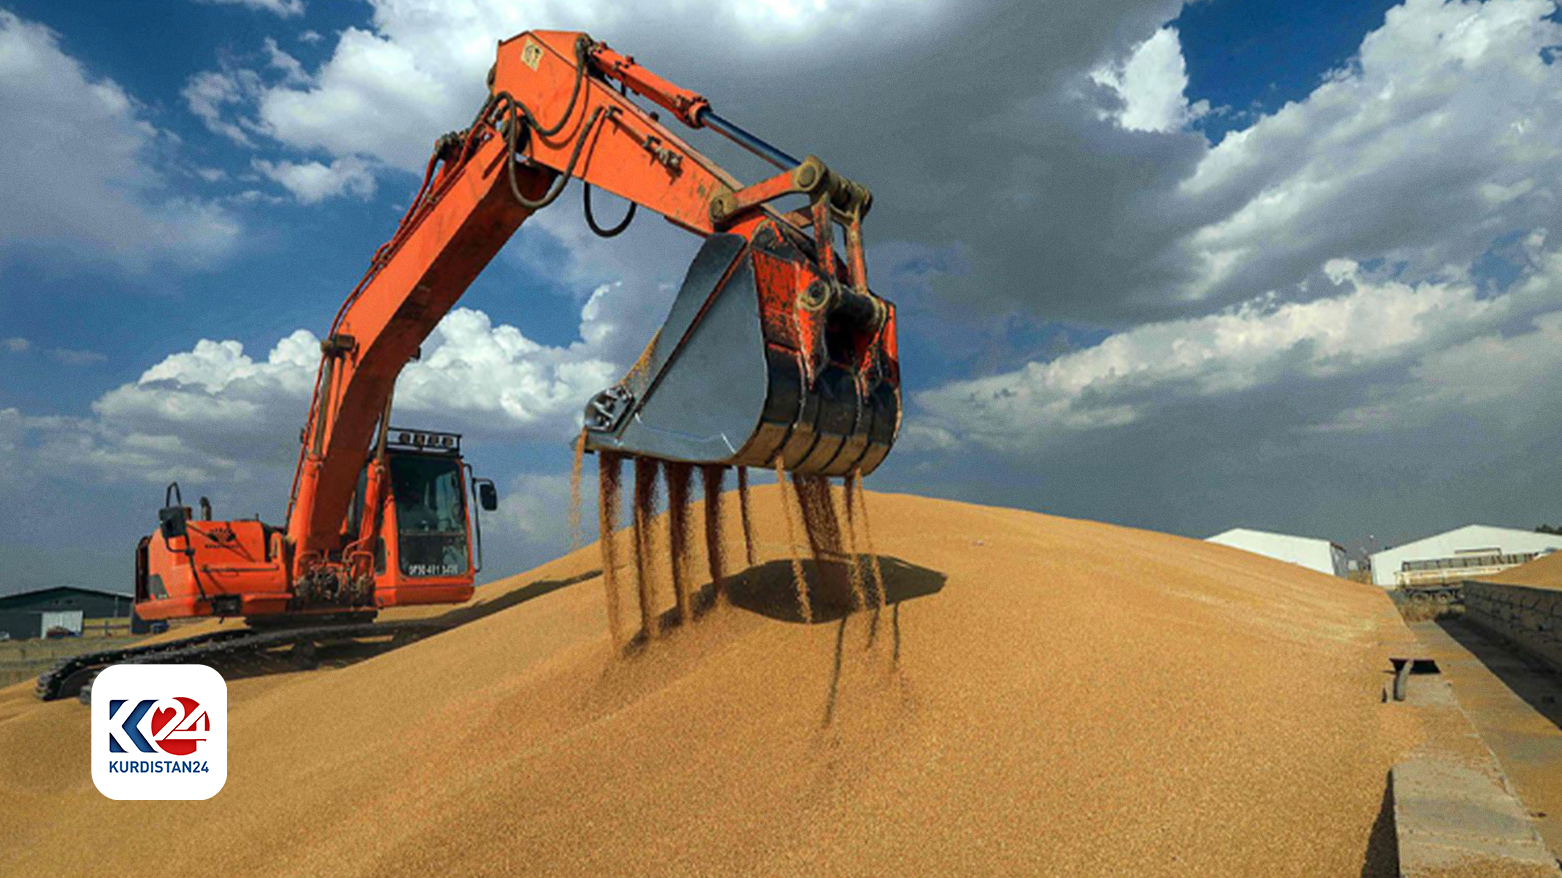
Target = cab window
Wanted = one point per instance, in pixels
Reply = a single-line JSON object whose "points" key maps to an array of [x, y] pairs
{"points": [[430, 515]]}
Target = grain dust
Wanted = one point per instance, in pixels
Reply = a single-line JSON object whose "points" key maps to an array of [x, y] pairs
{"points": [[646, 472], [853, 553], [711, 478], [858, 511], [679, 478], [574, 492], [743, 509], [799, 580], [822, 525], [609, 489]]}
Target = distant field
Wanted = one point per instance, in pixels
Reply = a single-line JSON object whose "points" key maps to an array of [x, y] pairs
{"points": [[25, 659]]}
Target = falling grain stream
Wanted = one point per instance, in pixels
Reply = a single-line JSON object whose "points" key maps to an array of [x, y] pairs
{"points": [[609, 474], [818, 522], [646, 471]]}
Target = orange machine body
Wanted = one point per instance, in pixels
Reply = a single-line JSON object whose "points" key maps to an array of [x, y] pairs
{"points": [[379, 517], [418, 550], [238, 565]]}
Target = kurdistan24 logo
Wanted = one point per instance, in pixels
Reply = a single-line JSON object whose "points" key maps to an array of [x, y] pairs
{"points": [[172, 726], [159, 732]]}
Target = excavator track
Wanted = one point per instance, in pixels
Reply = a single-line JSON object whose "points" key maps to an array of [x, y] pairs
{"points": [[73, 676]]}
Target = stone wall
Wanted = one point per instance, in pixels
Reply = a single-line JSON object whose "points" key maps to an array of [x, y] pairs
{"points": [[1529, 617]]}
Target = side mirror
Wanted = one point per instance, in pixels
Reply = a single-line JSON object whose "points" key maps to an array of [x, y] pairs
{"points": [[487, 496], [171, 521]]}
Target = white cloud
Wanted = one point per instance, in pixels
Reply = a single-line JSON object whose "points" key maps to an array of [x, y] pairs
{"points": [[63, 125], [209, 92], [51, 446], [387, 91], [218, 403], [530, 507], [1497, 379], [1431, 148], [255, 196], [11, 427], [473, 367], [283, 8], [16, 345], [292, 70], [1429, 331], [532, 524], [1152, 83], [312, 182], [216, 409], [1440, 137], [374, 97], [1435, 141]]}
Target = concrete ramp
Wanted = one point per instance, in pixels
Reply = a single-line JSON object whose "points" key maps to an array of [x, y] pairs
{"points": [[1455, 813], [1457, 819]]}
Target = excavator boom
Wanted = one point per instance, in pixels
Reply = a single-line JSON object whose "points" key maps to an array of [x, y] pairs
{"points": [[775, 351]]}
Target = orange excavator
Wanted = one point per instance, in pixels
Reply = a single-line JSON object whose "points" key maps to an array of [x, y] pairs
{"points": [[774, 353]]}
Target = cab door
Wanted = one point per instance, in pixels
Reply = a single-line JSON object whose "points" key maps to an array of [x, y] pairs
{"points": [[426, 536]]}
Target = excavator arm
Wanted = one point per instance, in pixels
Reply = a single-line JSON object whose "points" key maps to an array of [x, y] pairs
{"points": [[768, 304], [774, 353]]}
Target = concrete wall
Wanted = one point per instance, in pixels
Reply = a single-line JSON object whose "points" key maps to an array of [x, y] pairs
{"points": [[1529, 617]]}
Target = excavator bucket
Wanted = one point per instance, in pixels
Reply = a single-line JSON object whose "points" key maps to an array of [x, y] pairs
{"points": [[763, 360]]}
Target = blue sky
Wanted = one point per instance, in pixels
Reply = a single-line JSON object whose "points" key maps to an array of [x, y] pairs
{"points": [[1278, 265], [1254, 56]]}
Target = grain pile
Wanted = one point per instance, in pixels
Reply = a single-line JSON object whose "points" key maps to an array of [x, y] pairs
{"points": [[1038, 696], [1544, 572]]}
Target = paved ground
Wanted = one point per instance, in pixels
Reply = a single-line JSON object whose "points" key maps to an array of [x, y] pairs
{"points": [[1517, 709]]}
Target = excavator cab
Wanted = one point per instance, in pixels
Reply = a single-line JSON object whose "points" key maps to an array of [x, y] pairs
{"points": [[430, 513], [429, 546]]}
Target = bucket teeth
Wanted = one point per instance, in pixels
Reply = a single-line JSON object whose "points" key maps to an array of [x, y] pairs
{"points": [[761, 360]]}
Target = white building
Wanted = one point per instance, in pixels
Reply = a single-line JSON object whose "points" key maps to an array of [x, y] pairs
{"points": [[1314, 554], [1469, 552]]}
